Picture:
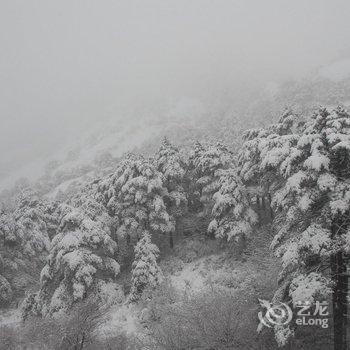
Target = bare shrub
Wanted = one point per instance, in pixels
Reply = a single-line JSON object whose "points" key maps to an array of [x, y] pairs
{"points": [[82, 324], [78, 330], [156, 301], [74, 331]]}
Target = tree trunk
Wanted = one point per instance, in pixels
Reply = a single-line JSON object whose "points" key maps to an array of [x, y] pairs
{"points": [[340, 289]]}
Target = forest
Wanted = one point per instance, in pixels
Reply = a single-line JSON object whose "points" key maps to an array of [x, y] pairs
{"points": [[182, 248], [174, 175]]}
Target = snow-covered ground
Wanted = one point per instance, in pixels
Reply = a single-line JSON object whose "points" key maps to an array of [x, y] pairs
{"points": [[121, 318], [10, 317]]}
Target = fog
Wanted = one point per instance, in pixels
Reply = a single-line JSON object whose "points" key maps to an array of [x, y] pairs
{"points": [[65, 65]]}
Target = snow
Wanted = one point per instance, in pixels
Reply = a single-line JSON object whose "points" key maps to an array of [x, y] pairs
{"points": [[291, 256], [326, 182], [10, 317], [120, 318], [232, 215], [294, 182], [190, 278], [283, 334], [45, 273], [111, 293], [316, 239], [305, 202], [317, 161], [308, 288], [339, 206]]}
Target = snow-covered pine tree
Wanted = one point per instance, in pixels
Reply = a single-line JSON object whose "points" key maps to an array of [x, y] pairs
{"points": [[29, 225], [170, 164], [313, 225], [208, 163], [134, 195], [145, 270], [36, 222], [81, 259], [263, 151], [233, 219]]}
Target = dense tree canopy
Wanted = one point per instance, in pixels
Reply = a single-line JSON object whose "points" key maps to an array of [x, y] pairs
{"points": [[27, 224], [312, 167], [208, 162], [233, 219], [82, 256], [134, 195], [301, 164]]}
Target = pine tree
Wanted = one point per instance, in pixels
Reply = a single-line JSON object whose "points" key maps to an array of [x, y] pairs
{"points": [[81, 259], [233, 219], [145, 270], [314, 205], [26, 226], [30, 225], [262, 153], [36, 222], [134, 195], [208, 162], [171, 165]]}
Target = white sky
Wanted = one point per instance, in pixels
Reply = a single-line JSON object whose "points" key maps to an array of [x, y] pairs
{"points": [[66, 63]]}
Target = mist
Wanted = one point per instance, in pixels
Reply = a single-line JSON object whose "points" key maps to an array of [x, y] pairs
{"points": [[66, 65]]}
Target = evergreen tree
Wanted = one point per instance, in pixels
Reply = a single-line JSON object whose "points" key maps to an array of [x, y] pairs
{"points": [[232, 216], [262, 153], [171, 165], [81, 259], [145, 270], [26, 226], [30, 225], [134, 195], [312, 224], [208, 162]]}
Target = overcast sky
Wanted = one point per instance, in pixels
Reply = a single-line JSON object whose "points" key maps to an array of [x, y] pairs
{"points": [[66, 63]]}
